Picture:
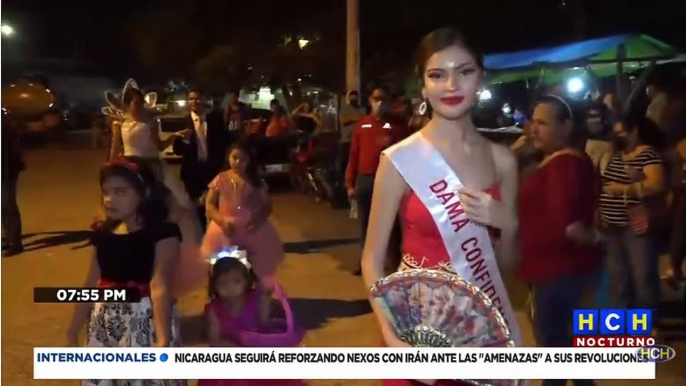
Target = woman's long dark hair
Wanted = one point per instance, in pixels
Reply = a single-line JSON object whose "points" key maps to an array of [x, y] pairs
{"points": [[437, 41], [252, 169], [649, 133], [154, 195], [442, 38], [224, 266]]}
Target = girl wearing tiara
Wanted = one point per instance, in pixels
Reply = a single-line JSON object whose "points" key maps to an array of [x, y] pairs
{"points": [[236, 305], [238, 206], [135, 133], [134, 247]]}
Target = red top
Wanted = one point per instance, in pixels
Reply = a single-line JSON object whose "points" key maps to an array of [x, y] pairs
{"points": [[422, 240], [370, 138], [558, 194]]}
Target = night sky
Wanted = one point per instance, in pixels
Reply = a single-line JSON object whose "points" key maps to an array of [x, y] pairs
{"points": [[102, 32]]}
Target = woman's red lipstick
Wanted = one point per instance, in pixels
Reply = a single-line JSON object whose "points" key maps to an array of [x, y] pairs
{"points": [[452, 100]]}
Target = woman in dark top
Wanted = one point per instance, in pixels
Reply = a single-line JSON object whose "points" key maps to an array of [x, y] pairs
{"points": [[633, 180], [135, 248], [305, 119], [557, 207]]}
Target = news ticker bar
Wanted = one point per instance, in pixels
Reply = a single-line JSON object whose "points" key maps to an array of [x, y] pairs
{"points": [[85, 295], [341, 363]]}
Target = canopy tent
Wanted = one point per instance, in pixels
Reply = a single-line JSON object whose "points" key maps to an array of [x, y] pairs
{"points": [[599, 54]]}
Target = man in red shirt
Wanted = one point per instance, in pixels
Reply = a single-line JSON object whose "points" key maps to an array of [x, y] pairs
{"points": [[371, 136]]}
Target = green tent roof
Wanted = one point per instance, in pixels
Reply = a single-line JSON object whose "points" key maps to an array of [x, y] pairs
{"points": [[640, 51]]}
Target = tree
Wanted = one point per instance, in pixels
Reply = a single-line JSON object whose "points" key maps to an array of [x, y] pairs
{"points": [[166, 45], [289, 66], [230, 49], [221, 69]]}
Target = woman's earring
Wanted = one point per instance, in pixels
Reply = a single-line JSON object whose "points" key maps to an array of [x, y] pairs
{"points": [[421, 110]]}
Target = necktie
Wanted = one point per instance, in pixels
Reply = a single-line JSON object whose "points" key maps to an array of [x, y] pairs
{"points": [[201, 126], [202, 152]]}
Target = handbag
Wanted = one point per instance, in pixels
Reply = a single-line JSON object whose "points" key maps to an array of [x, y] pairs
{"points": [[279, 332], [648, 215]]}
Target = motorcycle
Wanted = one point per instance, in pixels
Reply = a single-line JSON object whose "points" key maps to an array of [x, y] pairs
{"points": [[312, 173], [275, 155]]}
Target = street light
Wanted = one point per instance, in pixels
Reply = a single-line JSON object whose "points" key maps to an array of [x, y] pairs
{"points": [[575, 85], [6, 30], [302, 43]]}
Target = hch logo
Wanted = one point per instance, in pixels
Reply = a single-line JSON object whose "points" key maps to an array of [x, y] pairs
{"points": [[613, 322], [657, 353]]}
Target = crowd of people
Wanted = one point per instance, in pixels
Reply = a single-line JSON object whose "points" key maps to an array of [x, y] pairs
{"points": [[439, 196], [574, 209]]}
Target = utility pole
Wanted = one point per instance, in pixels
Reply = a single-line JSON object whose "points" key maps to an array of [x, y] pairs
{"points": [[580, 19], [352, 68]]}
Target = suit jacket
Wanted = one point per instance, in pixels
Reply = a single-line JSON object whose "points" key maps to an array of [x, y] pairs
{"points": [[196, 174]]}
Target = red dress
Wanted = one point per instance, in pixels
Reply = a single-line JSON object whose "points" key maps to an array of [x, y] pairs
{"points": [[423, 247]]}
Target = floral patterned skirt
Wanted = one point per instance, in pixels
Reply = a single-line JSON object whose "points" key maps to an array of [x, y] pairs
{"points": [[127, 325]]}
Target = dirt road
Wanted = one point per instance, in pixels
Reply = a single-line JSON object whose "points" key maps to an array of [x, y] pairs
{"points": [[58, 193]]}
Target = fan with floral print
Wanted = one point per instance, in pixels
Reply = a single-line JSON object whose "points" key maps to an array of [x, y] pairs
{"points": [[430, 308]]}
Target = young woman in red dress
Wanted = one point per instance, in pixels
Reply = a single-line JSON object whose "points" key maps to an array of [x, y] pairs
{"points": [[451, 70]]}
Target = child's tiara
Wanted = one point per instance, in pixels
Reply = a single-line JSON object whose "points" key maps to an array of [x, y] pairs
{"points": [[232, 252]]}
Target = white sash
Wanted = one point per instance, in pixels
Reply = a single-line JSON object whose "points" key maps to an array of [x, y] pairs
{"points": [[468, 244]]}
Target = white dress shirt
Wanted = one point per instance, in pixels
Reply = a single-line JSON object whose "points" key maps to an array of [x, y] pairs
{"points": [[200, 123]]}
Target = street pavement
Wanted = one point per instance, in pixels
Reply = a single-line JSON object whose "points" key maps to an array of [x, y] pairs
{"points": [[58, 195]]}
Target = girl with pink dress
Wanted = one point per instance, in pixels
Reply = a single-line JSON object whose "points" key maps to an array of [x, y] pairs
{"points": [[236, 305], [238, 207]]}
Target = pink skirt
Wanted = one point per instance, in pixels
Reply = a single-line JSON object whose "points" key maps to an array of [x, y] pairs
{"points": [[264, 246], [407, 382], [251, 382]]}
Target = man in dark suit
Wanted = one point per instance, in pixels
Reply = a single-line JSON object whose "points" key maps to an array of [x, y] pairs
{"points": [[203, 148]]}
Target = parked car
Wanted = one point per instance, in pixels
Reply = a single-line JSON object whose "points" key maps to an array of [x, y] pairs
{"points": [[275, 154]]}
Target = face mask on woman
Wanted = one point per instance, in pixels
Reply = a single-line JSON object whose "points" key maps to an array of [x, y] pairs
{"points": [[380, 108]]}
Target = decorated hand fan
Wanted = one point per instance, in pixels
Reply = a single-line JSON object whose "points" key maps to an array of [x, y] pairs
{"points": [[429, 308]]}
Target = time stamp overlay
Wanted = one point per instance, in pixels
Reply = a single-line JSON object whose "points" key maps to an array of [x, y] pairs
{"points": [[85, 295]]}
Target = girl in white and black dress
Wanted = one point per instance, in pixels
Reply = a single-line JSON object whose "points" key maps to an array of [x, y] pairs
{"points": [[136, 134], [135, 247]]}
